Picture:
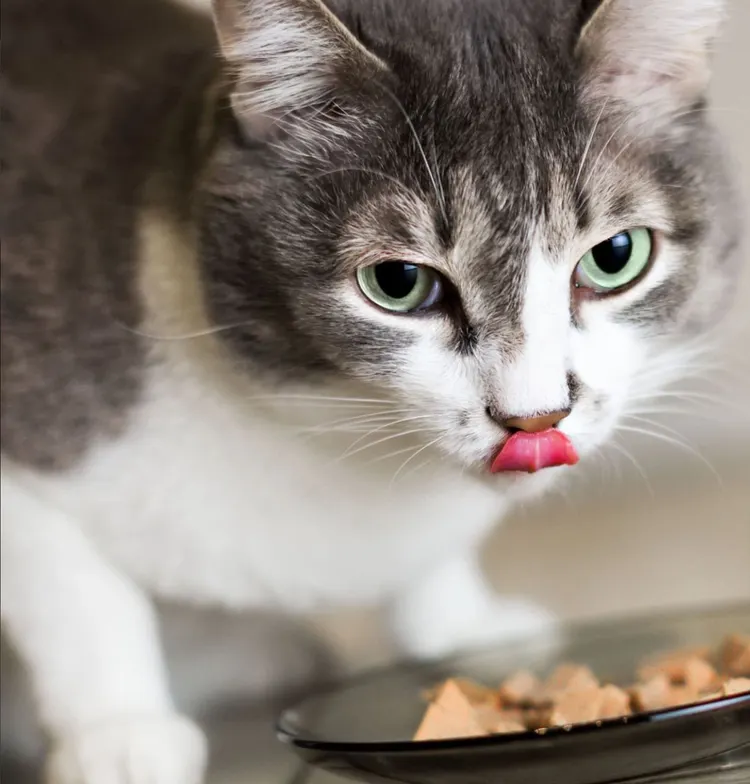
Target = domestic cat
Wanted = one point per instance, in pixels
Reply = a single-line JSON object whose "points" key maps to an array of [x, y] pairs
{"points": [[279, 291]]}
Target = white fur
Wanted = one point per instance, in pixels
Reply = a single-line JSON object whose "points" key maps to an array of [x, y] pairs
{"points": [[537, 381], [211, 501], [89, 638], [222, 502], [454, 602], [165, 750], [51, 598]]}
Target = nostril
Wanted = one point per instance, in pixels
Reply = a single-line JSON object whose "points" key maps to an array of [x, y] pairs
{"points": [[501, 419], [536, 424], [527, 424]]}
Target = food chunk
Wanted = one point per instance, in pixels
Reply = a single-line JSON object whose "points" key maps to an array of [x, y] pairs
{"points": [[576, 706], [673, 664], [615, 703], [653, 694], [569, 678], [522, 688], [735, 686], [734, 655], [572, 694], [450, 715]]}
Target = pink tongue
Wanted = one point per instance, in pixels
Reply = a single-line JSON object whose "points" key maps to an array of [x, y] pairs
{"points": [[531, 451]]}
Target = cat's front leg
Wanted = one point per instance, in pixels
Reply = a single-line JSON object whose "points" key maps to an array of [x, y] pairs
{"points": [[89, 639], [453, 607]]}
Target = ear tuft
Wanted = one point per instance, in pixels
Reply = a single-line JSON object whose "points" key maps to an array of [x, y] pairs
{"points": [[287, 56], [653, 55]]}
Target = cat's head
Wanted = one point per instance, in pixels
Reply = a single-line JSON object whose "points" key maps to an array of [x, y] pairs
{"points": [[491, 210]]}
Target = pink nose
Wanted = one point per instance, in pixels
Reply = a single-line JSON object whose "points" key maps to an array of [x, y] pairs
{"points": [[535, 424]]}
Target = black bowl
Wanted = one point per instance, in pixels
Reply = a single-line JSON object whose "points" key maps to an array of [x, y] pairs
{"points": [[363, 731]]}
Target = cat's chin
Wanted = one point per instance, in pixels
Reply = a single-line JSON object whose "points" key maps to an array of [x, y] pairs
{"points": [[522, 486], [533, 485]]}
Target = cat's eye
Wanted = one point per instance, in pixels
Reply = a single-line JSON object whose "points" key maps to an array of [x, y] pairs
{"points": [[400, 287], [616, 262]]}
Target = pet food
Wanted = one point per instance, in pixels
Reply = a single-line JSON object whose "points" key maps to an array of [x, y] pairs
{"points": [[572, 694]]}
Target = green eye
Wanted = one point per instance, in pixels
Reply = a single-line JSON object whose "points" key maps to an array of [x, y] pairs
{"points": [[400, 287], [616, 262]]}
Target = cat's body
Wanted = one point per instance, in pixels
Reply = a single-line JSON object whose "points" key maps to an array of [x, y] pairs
{"points": [[321, 530], [197, 404]]}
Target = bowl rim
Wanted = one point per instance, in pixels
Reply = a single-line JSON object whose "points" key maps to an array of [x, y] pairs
{"points": [[593, 628]]}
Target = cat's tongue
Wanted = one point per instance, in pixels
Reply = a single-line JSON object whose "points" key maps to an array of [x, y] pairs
{"points": [[530, 452]]}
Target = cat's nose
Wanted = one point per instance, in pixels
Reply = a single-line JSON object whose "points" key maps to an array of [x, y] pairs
{"points": [[535, 424]]}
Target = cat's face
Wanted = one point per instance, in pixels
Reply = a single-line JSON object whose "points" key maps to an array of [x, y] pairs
{"points": [[487, 214]]}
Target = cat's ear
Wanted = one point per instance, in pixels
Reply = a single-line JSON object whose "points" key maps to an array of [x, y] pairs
{"points": [[288, 59], [654, 56]]}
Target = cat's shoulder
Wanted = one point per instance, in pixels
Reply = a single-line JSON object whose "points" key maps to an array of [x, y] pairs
{"points": [[88, 91]]}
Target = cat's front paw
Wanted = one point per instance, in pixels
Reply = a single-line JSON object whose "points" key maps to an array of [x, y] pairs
{"points": [[167, 749], [498, 621]]}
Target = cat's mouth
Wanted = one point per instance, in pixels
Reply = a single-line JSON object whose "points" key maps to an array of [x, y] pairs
{"points": [[530, 452]]}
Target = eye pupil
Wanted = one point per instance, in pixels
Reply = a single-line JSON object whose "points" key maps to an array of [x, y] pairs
{"points": [[615, 263], [613, 255], [396, 278], [400, 287]]}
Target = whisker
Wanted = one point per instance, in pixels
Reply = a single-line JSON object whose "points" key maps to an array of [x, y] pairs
{"points": [[688, 396], [382, 427], [422, 153], [673, 411], [437, 171], [332, 406], [361, 419], [349, 453], [617, 157], [587, 148], [693, 394], [417, 468], [395, 453], [372, 444], [607, 463], [615, 466], [655, 423], [185, 336], [363, 425], [623, 451], [675, 442], [604, 149], [304, 399], [614, 133], [409, 459], [690, 367]]}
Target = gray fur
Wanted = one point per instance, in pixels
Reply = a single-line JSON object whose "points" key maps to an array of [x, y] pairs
{"points": [[96, 103], [86, 94]]}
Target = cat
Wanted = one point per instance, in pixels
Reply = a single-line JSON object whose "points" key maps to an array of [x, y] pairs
{"points": [[281, 285]]}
